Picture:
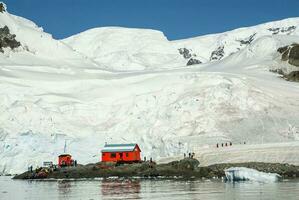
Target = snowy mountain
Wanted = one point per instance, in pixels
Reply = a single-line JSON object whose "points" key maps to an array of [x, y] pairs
{"points": [[123, 49], [113, 46], [218, 46], [132, 85], [37, 47]]}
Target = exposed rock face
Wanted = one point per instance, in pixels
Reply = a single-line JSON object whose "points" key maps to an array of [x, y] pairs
{"points": [[187, 169], [193, 61], [290, 53], [293, 76], [218, 53], [283, 30], [247, 40], [186, 53], [2, 7], [7, 39], [294, 55]]}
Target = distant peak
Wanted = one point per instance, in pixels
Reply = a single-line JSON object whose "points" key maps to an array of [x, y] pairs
{"points": [[3, 7]]}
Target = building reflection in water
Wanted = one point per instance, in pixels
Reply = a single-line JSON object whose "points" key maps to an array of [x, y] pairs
{"points": [[123, 188], [64, 187]]}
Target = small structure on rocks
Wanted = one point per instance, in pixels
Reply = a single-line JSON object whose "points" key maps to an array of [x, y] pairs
{"points": [[121, 153], [65, 160]]}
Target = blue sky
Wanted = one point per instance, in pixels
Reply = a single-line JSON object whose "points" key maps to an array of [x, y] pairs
{"points": [[176, 18]]}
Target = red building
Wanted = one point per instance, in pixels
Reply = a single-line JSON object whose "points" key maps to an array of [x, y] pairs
{"points": [[65, 160], [125, 153]]}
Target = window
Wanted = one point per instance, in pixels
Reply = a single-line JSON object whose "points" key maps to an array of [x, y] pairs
{"points": [[127, 154], [113, 155]]}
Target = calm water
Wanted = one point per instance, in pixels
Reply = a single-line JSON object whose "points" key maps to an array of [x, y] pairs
{"points": [[146, 189]]}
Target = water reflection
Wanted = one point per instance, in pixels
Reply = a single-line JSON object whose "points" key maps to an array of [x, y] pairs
{"points": [[115, 188], [64, 187], [146, 189]]}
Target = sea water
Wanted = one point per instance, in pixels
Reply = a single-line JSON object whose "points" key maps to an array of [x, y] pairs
{"points": [[146, 189]]}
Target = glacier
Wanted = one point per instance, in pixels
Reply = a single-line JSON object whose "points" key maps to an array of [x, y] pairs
{"points": [[244, 174], [122, 85]]}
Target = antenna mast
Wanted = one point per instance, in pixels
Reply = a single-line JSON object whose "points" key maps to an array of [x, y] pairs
{"points": [[64, 150]]}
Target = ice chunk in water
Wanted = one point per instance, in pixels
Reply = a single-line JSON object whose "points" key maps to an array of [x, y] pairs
{"points": [[243, 173]]}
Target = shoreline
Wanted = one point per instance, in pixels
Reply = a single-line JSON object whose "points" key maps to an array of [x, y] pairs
{"points": [[187, 169]]}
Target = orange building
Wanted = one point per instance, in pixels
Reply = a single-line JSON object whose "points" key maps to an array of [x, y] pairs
{"points": [[65, 160], [122, 153]]}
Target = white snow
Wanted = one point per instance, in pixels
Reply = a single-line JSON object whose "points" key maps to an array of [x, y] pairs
{"points": [[120, 85], [243, 173], [125, 49]]}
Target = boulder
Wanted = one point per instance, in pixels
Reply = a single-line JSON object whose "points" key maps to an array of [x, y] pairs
{"points": [[294, 55], [7, 39], [217, 54], [186, 53], [2, 7], [293, 76], [290, 53], [193, 61]]}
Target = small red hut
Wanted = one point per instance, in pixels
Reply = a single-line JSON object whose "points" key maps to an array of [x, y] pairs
{"points": [[65, 160], [123, 153]]}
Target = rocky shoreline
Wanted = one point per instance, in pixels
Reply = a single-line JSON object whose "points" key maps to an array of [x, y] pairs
{"points": [[187, 168]]}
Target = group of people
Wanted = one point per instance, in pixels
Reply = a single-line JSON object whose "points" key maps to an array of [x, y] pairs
{"points": [[224, 144], [190, 155]]}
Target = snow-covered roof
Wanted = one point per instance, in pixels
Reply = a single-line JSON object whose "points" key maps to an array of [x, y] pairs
{"points": [[119, 147]]}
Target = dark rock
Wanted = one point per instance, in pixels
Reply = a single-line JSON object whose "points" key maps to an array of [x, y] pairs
{"points": [[282, 49], [2, 7], [288, 30], [278, 71], [247, 40], [293, 76], [193, 61], [218, 53], [274, 30], [294, 55], [7, 39], [186, 53], [285, 55], [283, 30], [290, 53], [185, 168]]}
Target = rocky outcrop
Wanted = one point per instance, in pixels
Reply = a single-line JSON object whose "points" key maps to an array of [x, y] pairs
{"points": [[247, 41], [217, 54], [2, 7], [187, 168], [294, 55], [283, 30], [293, 76], [7, 39], [290, 53], [193, 61], [187, 54]]}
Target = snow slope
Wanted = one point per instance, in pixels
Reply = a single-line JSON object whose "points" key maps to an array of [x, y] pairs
{"points": [[37, 47], [133, 86], [123, 49], [227, 43], [126, 48]]}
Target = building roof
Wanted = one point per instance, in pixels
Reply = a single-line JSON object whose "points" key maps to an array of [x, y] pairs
{"points": [[63, 155], [119, 147]]}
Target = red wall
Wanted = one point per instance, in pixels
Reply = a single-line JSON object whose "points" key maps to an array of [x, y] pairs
{"points": [[121, 156], [67, 160]]}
